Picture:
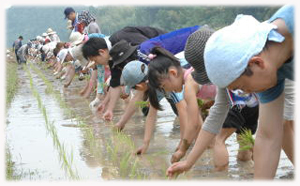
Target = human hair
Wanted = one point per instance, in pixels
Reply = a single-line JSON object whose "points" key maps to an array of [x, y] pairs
{"points": [[91, 47], [248, 71], [157, 70], [58, 47], [20, 37]]}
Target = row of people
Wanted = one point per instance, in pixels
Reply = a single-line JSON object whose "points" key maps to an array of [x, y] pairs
{"points": [[241, 72]]}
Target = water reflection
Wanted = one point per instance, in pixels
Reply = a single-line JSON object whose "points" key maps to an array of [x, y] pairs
{"points": [[28, 138]]}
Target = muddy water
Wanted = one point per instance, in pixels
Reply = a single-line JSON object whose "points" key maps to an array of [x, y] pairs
{"points": [[36, 156]]}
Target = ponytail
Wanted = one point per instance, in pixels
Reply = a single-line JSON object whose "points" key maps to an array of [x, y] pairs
{"points": [[158, 68]]}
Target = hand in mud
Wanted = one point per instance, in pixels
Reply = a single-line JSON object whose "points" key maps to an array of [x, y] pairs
{"points": [[177, 168], [177, 156], [123, 94], [141, 150], [108, 115], [101, 108], [119, 127]]}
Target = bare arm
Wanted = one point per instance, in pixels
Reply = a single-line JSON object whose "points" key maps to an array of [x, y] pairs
{"points": [[194, 119], [209, 130], [149, 127], [114, 97], [130, 109], [268, 139]]}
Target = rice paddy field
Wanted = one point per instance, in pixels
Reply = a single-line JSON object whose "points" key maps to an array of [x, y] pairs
{"points": [[52, 135]]}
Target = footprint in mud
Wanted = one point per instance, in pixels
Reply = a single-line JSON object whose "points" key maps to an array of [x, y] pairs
{"points": [[26, 106]]}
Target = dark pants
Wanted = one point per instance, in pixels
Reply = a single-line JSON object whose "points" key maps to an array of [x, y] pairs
{"points": [[242, 119], [17, 57]]}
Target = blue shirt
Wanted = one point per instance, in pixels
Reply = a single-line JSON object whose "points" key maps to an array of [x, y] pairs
{"points": [[287, 69], [173, 41], [74, 23], [175, 96]]}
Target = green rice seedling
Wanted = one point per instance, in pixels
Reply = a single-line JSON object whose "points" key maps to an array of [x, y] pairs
{"points": [[200, 102], [142, 104], [246, 140], [50, 127], [162, 152], [11, 171], [125, 164]]}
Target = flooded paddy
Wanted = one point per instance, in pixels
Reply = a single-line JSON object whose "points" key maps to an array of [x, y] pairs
{"points": [[59, 138]]}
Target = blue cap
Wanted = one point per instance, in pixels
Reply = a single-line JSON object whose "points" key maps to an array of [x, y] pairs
{"points": [[228, 51], [67, 11], [133, 73]]}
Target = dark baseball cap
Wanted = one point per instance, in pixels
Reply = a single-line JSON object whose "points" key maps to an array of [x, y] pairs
{"points": [[67, 11]]}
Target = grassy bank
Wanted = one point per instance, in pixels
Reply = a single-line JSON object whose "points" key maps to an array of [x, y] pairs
{"points": [[11, 81], [11, 89]]}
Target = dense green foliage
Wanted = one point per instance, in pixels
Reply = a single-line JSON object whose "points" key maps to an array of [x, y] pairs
{"points": [[32, 21]]}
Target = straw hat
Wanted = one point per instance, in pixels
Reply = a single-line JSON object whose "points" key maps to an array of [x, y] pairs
{"points": [[76, 38], [50, 31], [193, 52]]}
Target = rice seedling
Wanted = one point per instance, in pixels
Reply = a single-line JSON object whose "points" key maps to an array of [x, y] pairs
{"points": [[142, 104], [11, 171], [65, 161], [246, 140], [200, 102], [119, 147], [120, 150]]}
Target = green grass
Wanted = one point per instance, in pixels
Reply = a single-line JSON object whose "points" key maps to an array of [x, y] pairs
{"points": [[11, 89], [11, 81], [11, 173]]}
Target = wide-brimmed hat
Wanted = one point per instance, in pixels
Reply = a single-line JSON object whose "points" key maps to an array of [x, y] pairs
{"points": [[44, 34], [121, 51], [194, 50], [76, 38], [50, 31]]}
